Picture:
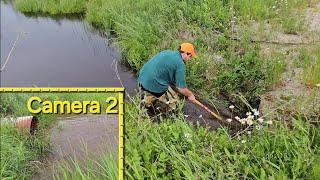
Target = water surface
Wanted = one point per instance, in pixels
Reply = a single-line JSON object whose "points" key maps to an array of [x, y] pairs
{"points": [[57, 53]]}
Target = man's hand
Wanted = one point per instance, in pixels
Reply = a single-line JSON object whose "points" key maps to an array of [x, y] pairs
{"points": [[188, 93], [192, 98]]}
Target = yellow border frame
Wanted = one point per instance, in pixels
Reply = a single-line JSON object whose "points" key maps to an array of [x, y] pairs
{"points": [[121, 111]]}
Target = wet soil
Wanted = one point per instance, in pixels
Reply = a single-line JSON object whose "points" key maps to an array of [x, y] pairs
{"points": [[199, 116]]}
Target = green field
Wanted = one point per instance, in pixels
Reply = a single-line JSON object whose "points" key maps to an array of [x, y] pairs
{"points": [[235, 61]]}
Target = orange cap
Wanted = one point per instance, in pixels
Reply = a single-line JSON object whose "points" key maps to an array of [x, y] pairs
{"points": [[188, 48]]}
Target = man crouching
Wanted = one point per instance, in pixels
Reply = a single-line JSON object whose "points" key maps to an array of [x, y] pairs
{"points": [[165, 69]]}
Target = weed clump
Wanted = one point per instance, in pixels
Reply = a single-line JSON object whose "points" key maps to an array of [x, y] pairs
{"points": [[309, 61], [244, 75], [52, 7]]}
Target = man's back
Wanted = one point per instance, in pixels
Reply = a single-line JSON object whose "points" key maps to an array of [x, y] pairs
{"points": [[163, 69]]}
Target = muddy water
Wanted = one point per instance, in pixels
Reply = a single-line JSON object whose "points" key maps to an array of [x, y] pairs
{"points": [[80, 136], [56, 52], [82, 139]]}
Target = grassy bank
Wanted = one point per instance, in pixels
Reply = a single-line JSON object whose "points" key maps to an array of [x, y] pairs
{"points": [[20, 151], [182, 151], [224, 67], [52, 7]]}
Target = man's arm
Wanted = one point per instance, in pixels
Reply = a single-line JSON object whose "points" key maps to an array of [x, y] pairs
{"points": [[188, 93]]}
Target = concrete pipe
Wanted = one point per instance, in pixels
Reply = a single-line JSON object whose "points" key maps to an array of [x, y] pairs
{"points": [[24, 123]]}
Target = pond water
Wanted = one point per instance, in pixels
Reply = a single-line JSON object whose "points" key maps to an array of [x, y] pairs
{"points": [[64, 52]]}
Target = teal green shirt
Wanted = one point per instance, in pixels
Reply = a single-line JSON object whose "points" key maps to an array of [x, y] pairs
{"points": [[164, 69]]}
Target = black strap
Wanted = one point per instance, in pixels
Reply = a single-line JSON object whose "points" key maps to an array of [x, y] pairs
{"points": [[153, 93]]}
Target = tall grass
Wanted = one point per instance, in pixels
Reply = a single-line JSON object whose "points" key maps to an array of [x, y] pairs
{"points": [[52, 7], [17, 152], [144, 29], [182, 151], [104, 168], [309, 60], [276, 66]]}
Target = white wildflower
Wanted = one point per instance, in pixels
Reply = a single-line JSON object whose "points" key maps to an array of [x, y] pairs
{"points": [[249, 122], [248, 113], [273, 7], [318, 85], [250, 117], [258, 127], [269, 122], [260, 120], [237, 118], [243, 141], [231, 107], [249, 132], [229, 120], [187, 135], [186, 115], [255, 112], [200, 116]]}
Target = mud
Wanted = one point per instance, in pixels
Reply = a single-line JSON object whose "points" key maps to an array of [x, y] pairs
{"points": [[199, 116]]}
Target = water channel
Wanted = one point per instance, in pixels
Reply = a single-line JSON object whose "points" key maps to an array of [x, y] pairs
{"points": [[62, 52]]}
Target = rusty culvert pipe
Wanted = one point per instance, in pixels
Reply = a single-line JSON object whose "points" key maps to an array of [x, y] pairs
{"points": [[24, 123]]}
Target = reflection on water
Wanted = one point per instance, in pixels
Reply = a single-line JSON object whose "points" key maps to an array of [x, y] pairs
{"points": [[55, 52]]}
